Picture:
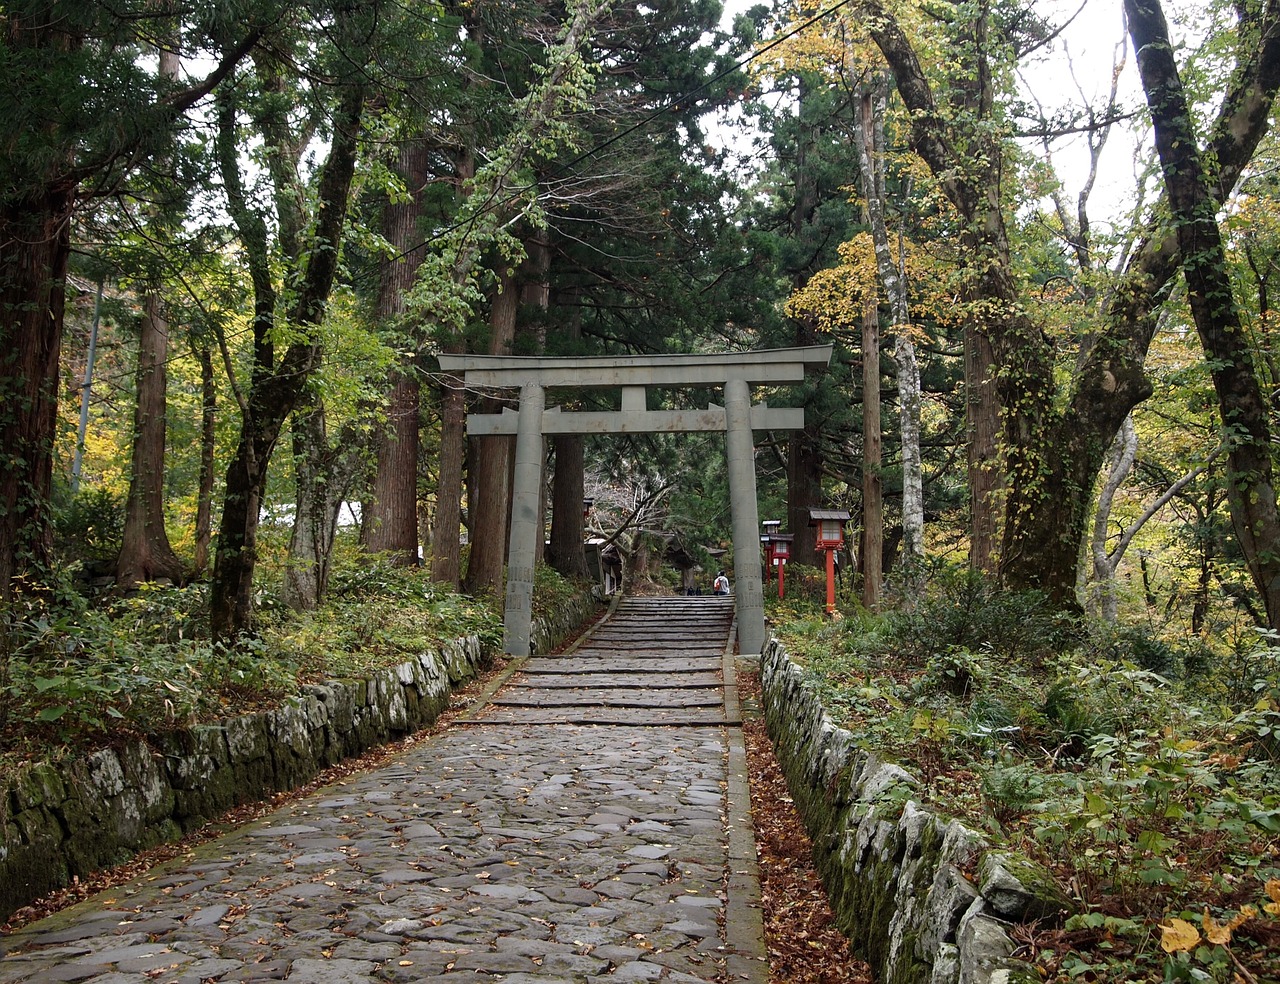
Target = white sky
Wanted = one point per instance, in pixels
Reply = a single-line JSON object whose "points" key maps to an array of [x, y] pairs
{"points": [[1076, 69]]}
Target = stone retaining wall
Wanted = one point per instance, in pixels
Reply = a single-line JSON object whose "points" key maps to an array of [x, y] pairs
{"points": [[923, 899], [68, 820]]}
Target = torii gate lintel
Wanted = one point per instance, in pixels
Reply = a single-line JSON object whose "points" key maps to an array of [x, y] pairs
{"points": [[737, 419]]}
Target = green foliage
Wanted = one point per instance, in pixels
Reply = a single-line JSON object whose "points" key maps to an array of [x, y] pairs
{"points": [[91, 525], [75, 674], [965, 610], [1145, 794]]}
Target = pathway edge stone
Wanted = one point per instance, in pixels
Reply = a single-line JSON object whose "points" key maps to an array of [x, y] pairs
{"points": [[67, 820], [894, 871]]}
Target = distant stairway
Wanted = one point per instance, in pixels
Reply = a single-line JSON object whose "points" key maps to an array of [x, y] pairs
{"points": [[654, 661]]}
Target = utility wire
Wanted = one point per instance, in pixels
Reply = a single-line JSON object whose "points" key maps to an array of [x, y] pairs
{"points": [[660, 111]]}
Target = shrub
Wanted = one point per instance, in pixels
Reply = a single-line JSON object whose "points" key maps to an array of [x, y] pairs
{"points": [[964, 610], [91, 526]]}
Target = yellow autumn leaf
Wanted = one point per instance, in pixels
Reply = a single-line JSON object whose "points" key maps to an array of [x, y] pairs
{"points": [[1213, 932], [1273, 890], [1178, 936]]}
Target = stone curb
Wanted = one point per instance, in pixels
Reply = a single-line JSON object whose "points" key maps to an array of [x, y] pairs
{"points": [[896, 873], [66, 820]]}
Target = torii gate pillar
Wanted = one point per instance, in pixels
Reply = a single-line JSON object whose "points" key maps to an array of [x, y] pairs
{"points": [[517, 613], [741, 459], [737, 419]]}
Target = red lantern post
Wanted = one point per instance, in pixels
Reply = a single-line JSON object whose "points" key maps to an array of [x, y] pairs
{"points": [[766, 541], [830, 537], [781, 552]]}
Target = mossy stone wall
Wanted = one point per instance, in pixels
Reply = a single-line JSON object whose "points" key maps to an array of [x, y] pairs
{"points": [[923, 899], [72, 818]]}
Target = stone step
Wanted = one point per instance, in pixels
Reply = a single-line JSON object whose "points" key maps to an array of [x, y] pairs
{"points": [[634, 716], [551, 680], [609, 697]]}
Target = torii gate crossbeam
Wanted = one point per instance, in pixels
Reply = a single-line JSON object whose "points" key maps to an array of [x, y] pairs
{"points": [[735, 372]]}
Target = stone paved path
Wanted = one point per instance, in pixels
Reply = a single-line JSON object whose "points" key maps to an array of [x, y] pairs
{"points": [[528, 846]]}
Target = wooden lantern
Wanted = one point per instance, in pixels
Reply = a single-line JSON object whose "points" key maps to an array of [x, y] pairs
{"points": [[830, 537]]}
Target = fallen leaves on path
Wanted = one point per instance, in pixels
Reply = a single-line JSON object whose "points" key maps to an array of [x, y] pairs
{"points": [[804, 944]]}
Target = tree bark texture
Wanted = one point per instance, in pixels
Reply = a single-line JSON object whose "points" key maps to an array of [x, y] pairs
{"points": [[208, 445], [566, 553], [872, 492], [982, 450], [493, 457], [324, 475], [1243, 409], [275, 389], [391, 514], [804, 490], [447, 523], [34, 250], [1101, 595], [145, 553], [892, 274]]}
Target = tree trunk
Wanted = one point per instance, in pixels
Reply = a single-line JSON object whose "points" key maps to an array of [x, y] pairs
{"points": [[493, 456], [804, 450], [390, 518], [1243, 409], [446, 546], [872, 493], [1102, 591], [145, 553], [982, 427], [275, 389], [324, 475], [566, 553], [804, 491], [231, 597], [892, 274], [35, 246], [208, 439]]}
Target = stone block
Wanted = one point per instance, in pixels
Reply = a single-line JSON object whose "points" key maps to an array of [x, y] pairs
{"points": [[38, 785], [1019, 890]]}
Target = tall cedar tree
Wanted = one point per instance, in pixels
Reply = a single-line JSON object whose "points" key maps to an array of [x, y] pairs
{"points": [[1243, 408], [69, 139]]}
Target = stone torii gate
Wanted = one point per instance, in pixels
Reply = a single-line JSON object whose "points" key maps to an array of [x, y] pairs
{"points": [[534, 375]]}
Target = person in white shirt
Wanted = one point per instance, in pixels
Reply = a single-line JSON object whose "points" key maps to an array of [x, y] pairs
{"points": [[721, 584]]}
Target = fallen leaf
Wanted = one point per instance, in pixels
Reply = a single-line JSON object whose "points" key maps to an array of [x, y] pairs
{"points": [[1214, 932], [1178, 936]]}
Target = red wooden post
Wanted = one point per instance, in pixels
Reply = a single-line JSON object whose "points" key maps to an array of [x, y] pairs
{"points": [[780, 549], [830, 524]]}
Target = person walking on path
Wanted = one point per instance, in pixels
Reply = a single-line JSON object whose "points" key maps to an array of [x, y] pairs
{"points": [[721, 585]]}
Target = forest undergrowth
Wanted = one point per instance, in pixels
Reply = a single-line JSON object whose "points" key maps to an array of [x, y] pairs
{"points": [[1143, 773]]}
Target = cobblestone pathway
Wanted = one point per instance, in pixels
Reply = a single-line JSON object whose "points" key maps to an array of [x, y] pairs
{"points": [[532, 844]]}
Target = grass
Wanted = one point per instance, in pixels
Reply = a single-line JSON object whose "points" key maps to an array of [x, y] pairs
{"points": [[1143, 773]]}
